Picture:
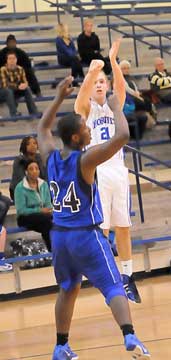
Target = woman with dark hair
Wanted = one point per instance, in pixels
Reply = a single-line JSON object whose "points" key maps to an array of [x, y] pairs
{"points": [[33, 202], [28, 150]]}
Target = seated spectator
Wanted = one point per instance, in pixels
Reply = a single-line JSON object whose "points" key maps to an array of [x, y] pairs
{"points": [[67, 54], [22, 60], [136, 121], [160, 81], [141, 99], [33, 202], [12, 77], [89, 46], [4, 206], [28, 150], [7, 96]]}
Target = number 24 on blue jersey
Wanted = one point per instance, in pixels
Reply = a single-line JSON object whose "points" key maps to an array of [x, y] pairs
{"points": [[70, 199]]}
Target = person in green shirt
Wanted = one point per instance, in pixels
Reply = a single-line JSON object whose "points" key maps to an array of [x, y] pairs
{"points": [[33, 202]]}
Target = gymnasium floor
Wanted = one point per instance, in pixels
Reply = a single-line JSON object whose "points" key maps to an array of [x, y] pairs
{"points": [[27, 329]]}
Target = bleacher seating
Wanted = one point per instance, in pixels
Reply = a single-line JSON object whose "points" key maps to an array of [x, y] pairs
{"points": [[14, 16], [152, 22], [139, 35], [126, 11], [32, 41], [25, 28]]}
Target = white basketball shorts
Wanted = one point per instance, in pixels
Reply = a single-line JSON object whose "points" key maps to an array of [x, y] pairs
{"points": [[113, 185]]}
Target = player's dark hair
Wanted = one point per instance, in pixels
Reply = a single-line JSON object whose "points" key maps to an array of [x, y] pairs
{"points": [[67, 126], [24, 143]]}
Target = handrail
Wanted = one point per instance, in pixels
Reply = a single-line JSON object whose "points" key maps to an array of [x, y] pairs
{"points": [[150, 157], [137, 37], [160, 35], [153, 181], [139, 175]]}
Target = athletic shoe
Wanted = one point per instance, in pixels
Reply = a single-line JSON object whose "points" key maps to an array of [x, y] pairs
{"points": [[133, 344], [64, 353], [5, 267], [131, 289]]}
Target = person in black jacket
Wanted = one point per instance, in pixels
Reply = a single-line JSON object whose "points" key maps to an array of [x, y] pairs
{"points": [[89, 46], [28, 150], [22, 60]]}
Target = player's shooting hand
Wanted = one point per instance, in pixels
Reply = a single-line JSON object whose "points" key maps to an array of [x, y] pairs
{"points": [[113, 52], [65, 87], [96, 66]]}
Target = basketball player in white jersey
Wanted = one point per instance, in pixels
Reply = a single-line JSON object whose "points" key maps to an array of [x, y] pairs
{"points": [[113, 182]]}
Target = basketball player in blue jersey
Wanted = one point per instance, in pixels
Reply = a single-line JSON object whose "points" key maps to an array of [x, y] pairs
{"points": [[113, 181], [78, 244]]}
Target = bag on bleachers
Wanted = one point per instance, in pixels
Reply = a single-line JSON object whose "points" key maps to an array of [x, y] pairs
{"points": [[23, 247]]}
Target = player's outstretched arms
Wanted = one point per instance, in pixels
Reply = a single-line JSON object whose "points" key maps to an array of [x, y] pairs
{"points": [[45, 138], [82, 102], [98, 154]]}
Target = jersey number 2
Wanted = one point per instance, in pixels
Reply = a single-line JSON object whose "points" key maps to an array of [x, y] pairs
{"points": [[105, 133], [70, 199]]}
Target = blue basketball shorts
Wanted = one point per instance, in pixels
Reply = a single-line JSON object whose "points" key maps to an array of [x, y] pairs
{"points": [[85, 251]]}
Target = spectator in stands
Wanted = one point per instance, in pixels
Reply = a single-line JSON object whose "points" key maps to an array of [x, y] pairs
{"points": [[89, 46], [28, 150], [7, 96], [141, 99], [67, 54], [33, 202], [136, 121], [22, 60], [160, 81], [4, 206], [12, 76]]}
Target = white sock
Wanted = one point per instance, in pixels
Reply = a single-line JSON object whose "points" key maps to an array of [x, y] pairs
{"points": [[127, 267]]}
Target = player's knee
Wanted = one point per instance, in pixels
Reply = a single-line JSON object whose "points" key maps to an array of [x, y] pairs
{"points": [[117, 290]]}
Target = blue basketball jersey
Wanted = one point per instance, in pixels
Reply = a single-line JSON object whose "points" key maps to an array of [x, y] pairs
{"points": [[75, 203]]}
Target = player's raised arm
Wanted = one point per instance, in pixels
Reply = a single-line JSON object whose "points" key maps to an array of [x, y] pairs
{"points": [[118, 79], [45, 137], [98, 154], [82, 103]]}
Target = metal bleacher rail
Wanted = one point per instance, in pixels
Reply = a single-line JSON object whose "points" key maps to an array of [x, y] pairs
{"points": [[139, 36]]}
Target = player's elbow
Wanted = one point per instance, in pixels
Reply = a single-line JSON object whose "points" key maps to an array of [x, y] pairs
{"points": [[77, 108], [124, 137]]}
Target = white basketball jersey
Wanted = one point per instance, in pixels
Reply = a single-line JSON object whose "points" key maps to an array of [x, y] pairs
{"points": [[102, 124]]}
